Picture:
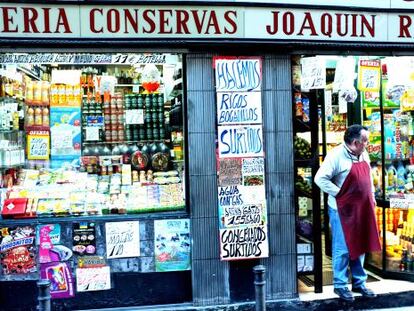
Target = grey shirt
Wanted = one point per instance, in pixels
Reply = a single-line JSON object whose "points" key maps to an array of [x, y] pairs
{"points": [[334, 170]]}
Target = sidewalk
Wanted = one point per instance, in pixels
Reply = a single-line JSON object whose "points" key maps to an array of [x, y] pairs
{"points": [[392, 301], [391, 295]]}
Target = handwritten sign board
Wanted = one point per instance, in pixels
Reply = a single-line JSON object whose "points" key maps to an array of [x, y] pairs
{"points": [[344, 74], [93, 279], [369, 75], [238, 74], [313, 73], [235, 216], [239, 108], [402, 201], [122, 239], [240, 141], [230, 172], [243, 242], [241, 192], [134, 116], [253, 171], [38, 145]]}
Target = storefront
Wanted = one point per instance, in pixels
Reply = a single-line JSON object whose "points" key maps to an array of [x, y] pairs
{"points": [[149, 153]]}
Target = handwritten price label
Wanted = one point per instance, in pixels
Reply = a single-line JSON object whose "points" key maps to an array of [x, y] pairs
{"points": [[38, 147], [402, 202]]}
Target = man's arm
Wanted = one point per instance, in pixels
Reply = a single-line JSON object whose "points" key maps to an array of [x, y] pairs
{"points": [[325, 174]]}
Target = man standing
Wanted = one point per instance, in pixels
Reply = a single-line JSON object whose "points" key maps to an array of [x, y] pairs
{"points": [[345, 175]]}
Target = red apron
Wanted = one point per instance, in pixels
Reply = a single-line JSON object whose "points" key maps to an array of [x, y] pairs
{"points": [[356, 211]]}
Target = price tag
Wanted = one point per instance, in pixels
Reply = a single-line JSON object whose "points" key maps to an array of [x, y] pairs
{"points": [[95, 121], [92, 133], [134, 116], [400, 203], [38, 146], [135, 88]]}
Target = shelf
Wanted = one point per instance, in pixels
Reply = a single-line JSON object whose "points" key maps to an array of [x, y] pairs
{"points": [[10, 131], [300, 126], [127, 85], [301, 193], [178, 213], [37, 128], [29, 72], [301, 238], [304, 163], [3, 167], [126, 142]]}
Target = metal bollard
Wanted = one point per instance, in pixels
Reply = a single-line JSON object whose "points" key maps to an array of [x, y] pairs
{"points": [[260, 287], [43, 295]]}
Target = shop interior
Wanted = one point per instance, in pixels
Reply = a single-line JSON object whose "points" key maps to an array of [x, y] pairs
{"points": [[91, 134], [378, 93]]}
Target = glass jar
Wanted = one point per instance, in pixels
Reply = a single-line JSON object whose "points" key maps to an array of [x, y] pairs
{"points": [[134, 101]]}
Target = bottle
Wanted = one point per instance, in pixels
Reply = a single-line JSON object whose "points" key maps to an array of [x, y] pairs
{"points": [[178, 146], [400, 223], [401, 177], [30, 117], [37, 92], [45, 93], [404, 261], [38, 116], [29, 92], [45, 117], [391, 176]]}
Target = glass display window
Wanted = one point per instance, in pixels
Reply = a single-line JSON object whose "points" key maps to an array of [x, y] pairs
{"points": [[92, 134]]}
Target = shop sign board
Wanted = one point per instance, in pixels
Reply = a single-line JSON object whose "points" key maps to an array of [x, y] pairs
{"points": [[316, 20], [241, 192]]}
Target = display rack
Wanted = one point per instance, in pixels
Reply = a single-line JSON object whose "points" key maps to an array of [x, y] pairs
{"points": [[308, 223]]}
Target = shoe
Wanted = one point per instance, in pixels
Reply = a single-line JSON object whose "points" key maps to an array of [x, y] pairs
{"points": [[344, 293], [364, 291]]}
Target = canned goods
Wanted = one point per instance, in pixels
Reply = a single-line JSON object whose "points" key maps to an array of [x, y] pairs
{"points": [[134, 102], [149, 134], [147, 102], [142, 134], [120, 118], [127, 99], [162, 133], [154, 117], [156, 133], [121, 135], [108, 135], [147, 117], [140, 102], [114, 134]]}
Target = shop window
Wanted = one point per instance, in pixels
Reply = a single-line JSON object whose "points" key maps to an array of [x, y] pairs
{"points": [[84, 134]]}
